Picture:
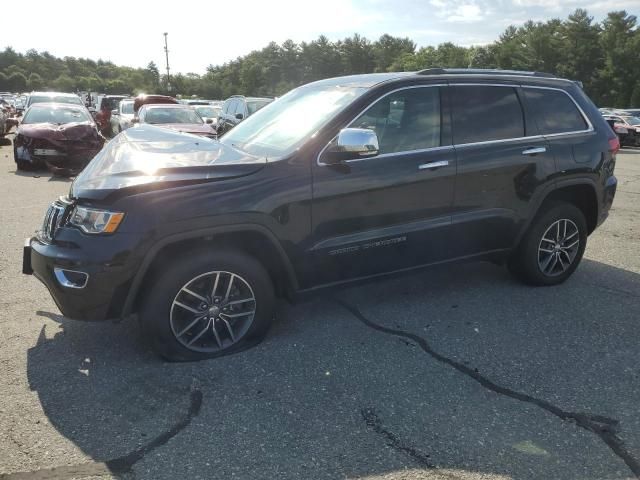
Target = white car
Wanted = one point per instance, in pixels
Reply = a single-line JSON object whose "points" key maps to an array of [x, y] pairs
{"points": [[121, 117], [208, 111]]}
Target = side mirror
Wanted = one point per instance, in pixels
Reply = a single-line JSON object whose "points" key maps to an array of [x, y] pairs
{"points": [[350, 144], [239, 116], [115, 112], [209, 121]]}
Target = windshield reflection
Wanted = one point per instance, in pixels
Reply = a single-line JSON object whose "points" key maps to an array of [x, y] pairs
{"points": [[283, 125]]}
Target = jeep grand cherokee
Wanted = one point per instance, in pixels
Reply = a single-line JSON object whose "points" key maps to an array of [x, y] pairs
{"points": [[340, 180]]}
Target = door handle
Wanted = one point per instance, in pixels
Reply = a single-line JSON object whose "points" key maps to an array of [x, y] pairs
{"points": [[431, 165], [534, 150]]}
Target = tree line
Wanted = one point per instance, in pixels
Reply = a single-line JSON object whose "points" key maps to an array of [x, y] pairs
{"points": [[604, 56]]}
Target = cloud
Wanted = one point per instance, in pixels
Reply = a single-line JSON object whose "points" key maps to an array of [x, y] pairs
{"points": [[466, 14], [452, 11]]}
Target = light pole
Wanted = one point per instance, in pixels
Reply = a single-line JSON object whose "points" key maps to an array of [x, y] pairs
{"points": [[166, 52]]}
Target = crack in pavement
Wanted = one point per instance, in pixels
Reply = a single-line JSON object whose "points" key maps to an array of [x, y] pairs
{"points": [[605, 428], [373, 421], [120, 465]]}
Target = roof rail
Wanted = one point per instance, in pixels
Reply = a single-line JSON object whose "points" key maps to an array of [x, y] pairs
{"points": [[488, 71]]}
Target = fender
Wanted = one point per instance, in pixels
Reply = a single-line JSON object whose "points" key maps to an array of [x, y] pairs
{"points": [[548, 190], [292, 282]]}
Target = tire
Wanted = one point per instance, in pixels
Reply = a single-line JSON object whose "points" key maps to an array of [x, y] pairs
{"points": [[541, 259], [169, 316]]}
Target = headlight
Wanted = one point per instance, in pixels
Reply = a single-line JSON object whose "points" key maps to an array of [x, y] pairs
{"points": [[96, 221]]}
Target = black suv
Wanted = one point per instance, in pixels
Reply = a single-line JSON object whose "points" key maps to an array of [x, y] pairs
{"points": [[237, 108], [339, 180]]}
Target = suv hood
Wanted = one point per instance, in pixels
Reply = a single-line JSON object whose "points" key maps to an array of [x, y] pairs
{"points": [[151, 158]]}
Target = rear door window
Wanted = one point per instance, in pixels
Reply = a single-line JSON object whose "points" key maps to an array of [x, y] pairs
{"points": [[485, 113], [405, 120], [554, 111]]}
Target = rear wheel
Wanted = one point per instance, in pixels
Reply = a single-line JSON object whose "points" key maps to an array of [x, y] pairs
{"points": [[553, 246], [208, 305]]}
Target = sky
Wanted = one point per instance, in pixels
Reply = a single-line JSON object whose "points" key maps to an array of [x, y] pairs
{"points": [[209, 32]]}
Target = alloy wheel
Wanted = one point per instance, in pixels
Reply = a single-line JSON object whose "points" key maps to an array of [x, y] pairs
{"points": [[558, 248], [213, 311]]}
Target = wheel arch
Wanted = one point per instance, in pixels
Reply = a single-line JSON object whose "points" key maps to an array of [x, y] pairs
{"points": [[581, 192], [253, 239]]}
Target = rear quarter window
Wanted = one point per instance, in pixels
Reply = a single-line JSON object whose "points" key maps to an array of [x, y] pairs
{"points": [[554, 111], [485, 113]]}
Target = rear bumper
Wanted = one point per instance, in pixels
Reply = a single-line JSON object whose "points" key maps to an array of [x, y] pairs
{"points": [[608, 194]]}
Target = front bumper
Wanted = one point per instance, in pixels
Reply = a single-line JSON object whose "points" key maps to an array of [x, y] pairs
{"points": [[83, 287]]}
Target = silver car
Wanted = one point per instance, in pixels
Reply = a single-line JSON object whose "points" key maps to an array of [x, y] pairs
{"points": [[121, 117]]}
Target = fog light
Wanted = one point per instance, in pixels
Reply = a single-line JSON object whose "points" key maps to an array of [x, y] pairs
{"points": [[71, 278]]}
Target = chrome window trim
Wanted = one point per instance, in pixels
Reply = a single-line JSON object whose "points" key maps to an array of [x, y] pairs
{"points": [[590, 128], [584, 115], [384, 155]]}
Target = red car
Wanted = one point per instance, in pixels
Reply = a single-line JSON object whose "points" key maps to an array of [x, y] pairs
{"points": [[181, 118], [141, 100], [62, 137]]}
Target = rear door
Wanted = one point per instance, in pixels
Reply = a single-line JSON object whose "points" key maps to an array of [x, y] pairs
{"points": [[501, 161], [566, 129], [391, 211]]}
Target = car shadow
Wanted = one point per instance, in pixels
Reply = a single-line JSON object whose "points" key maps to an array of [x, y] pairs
{"points": [[333, 392]]}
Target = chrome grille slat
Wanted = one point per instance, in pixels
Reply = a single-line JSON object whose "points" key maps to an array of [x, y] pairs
{"points": [[52, 220]]}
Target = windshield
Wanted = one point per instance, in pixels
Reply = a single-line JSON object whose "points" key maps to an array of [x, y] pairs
{"points": [[632, 120], [254, 106], [171, 115], [283, 125], [127, 108], [208, 112], [55, 99], [57, 115]]}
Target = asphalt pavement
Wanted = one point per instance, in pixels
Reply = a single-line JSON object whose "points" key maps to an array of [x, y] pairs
{"points": [[458, 372]]}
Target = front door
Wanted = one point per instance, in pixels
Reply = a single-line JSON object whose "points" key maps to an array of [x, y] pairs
{"points": [[391, 211]]}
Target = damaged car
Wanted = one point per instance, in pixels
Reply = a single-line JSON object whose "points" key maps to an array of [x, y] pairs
{"points": [[62, 137]]}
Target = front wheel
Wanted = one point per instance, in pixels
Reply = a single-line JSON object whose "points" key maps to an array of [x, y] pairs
{"points": [[207, 305], [553, 246]]}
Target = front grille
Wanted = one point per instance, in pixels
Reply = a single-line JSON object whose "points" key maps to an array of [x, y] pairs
{"points": [[52, 221]]}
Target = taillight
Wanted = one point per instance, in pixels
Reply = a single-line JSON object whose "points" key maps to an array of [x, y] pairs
{"points": [[614, 145]]}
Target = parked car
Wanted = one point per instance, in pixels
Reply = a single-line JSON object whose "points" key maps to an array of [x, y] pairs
{"points": [[634, 112], [237, 108], [627, 128], [122, 117], [63, 137], [105, 105], [4, 116], [53, 97], [181, 118], [141, 100], [8, 115], [208, 112], [338, 181]]}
